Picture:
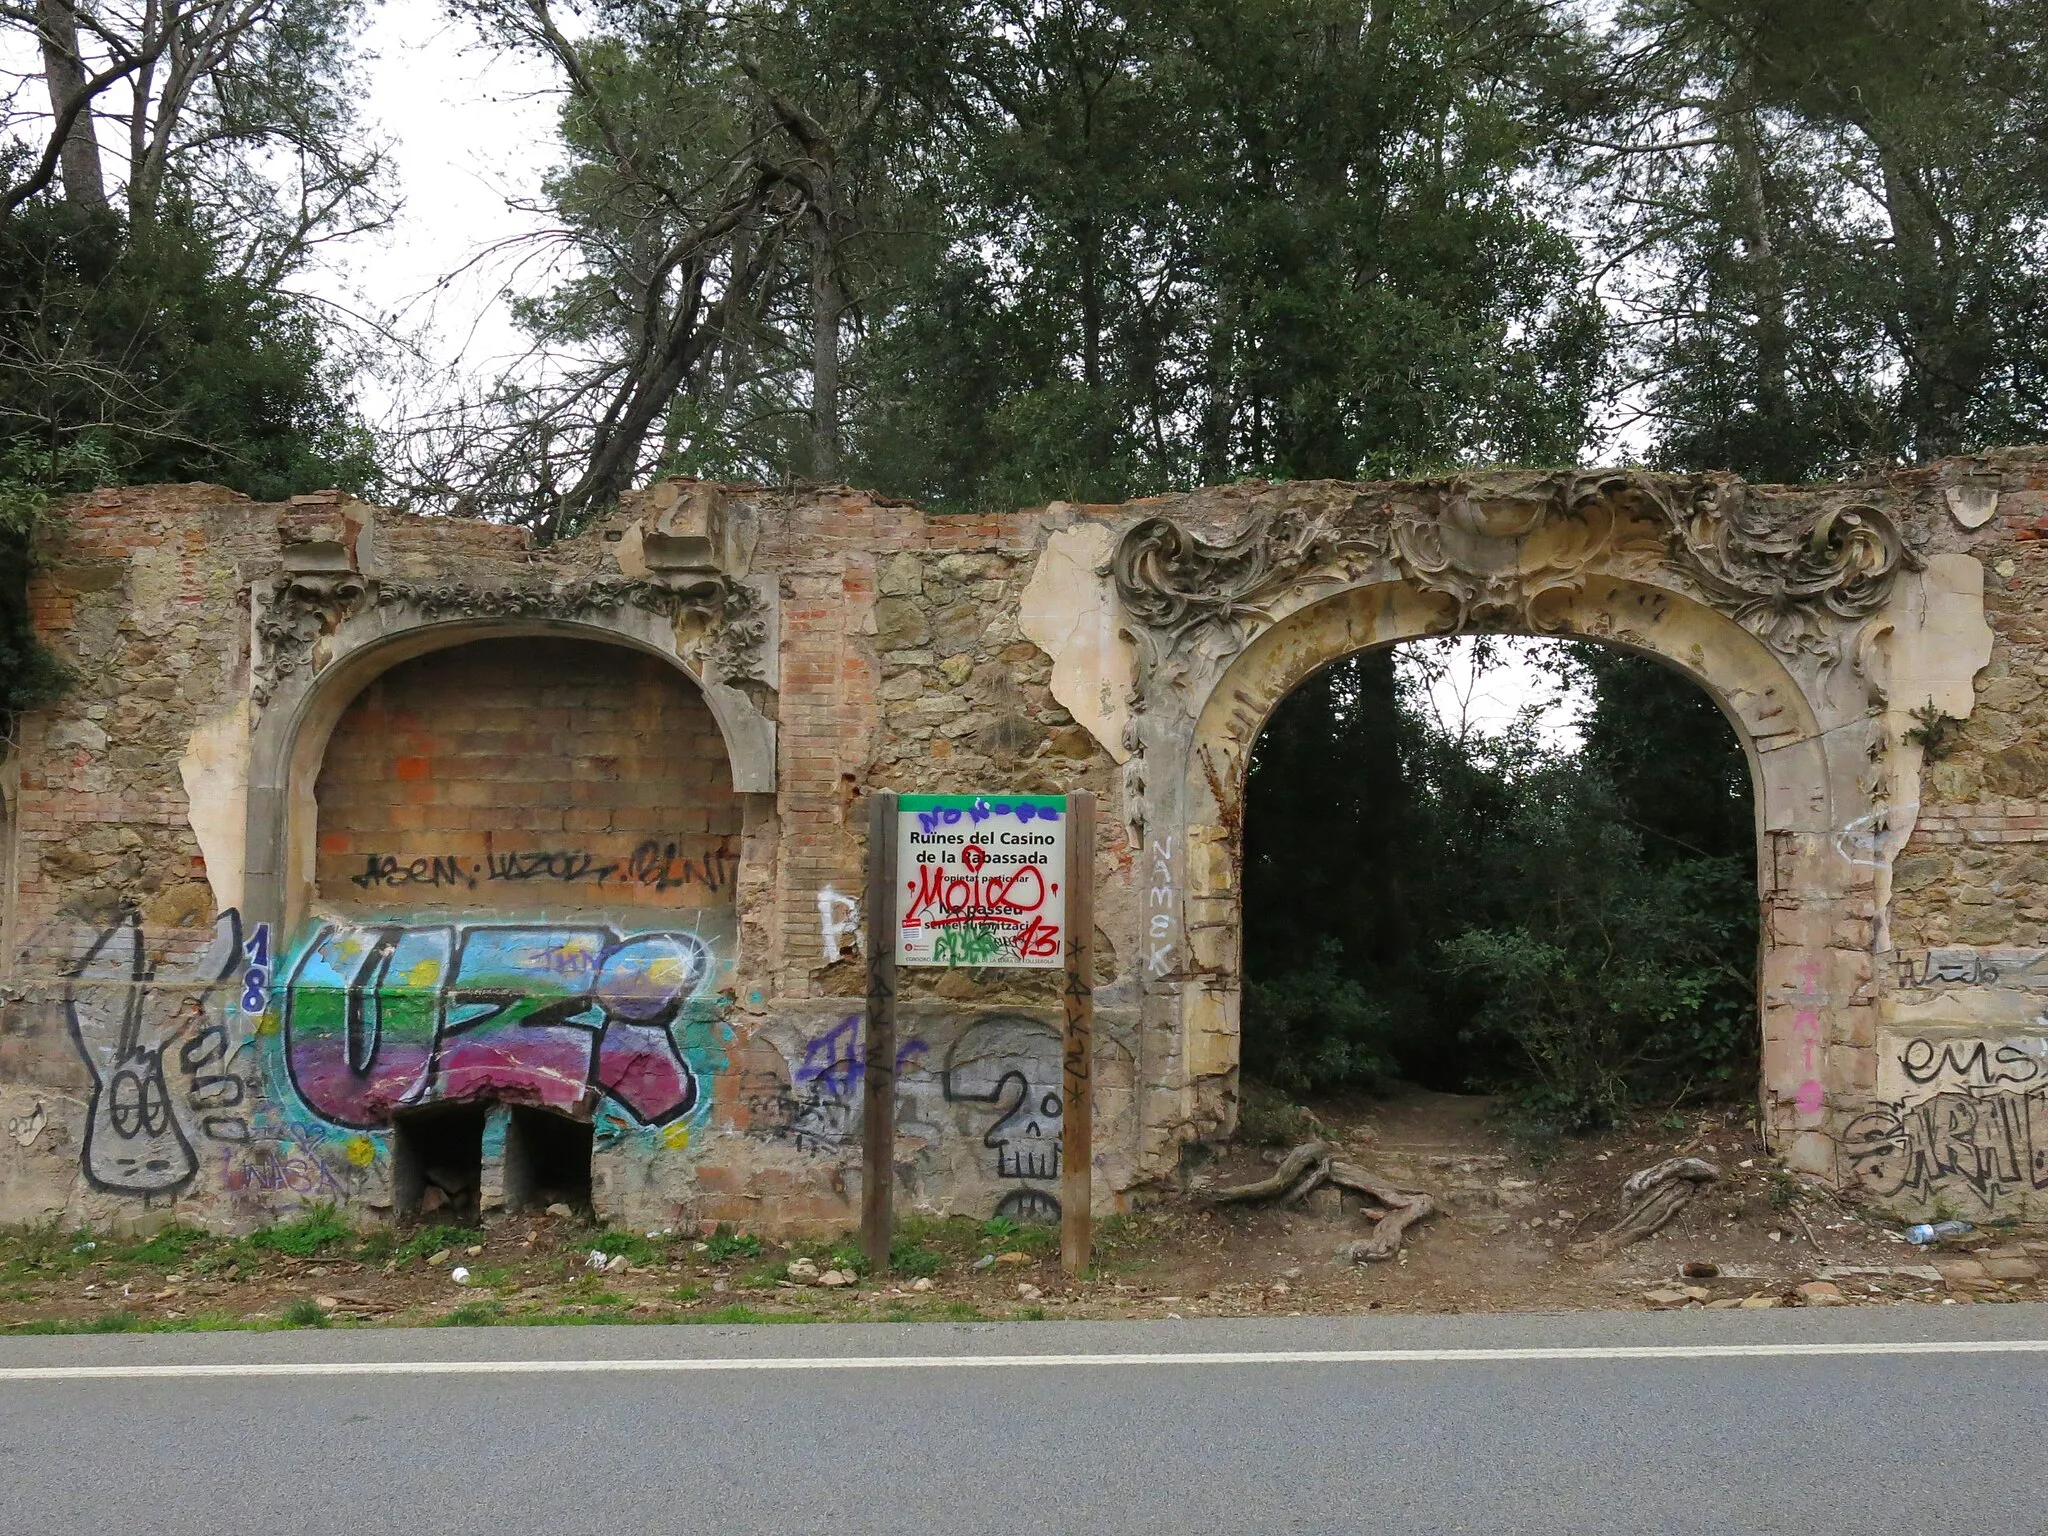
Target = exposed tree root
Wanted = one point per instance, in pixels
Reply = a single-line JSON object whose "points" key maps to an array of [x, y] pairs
{"points": [[1651, 1196], [1314, 1163], [1292, 1167]]}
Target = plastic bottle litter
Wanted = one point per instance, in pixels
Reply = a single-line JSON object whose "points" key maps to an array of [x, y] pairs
{"points": [[1922, 1233]]}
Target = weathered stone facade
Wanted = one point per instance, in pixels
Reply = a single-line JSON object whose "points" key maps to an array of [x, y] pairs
{"points": [[361, 833]]}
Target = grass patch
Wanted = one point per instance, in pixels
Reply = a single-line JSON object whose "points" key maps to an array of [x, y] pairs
{"points": [[941, 1231], [1268, 1118], [685, 1293], [377, 1245], [739, 1313], [725, 1244], [203, 1322], [1028, 1315], [962, 1312], [167, 1248], [44, 1246], [304, 1313], [637, 1249], [431, 1240], [474, 1314], [128, 1322], [303, 1236], [915, 1260]]}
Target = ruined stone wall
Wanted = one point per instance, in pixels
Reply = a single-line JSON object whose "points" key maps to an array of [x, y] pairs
{"points": [[351, 815], [1960, 1125], [534, 806]]}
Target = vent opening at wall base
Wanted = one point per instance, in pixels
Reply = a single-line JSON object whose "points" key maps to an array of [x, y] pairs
{"points": [[547, 1161], [437, 1163]]}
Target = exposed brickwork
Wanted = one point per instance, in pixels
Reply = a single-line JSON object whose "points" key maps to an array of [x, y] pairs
{"points": [[520, 773]]}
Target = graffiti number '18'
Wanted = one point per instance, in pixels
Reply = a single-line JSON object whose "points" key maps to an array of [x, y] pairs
{"points": [[256, 979]]}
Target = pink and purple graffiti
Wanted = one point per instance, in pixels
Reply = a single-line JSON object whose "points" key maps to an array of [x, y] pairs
{"points": [[384, 1018]]}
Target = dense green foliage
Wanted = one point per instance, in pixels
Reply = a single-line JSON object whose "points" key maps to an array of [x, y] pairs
{"points": [[146, 329], [986, 253], [1577, 928], [131, 357]]}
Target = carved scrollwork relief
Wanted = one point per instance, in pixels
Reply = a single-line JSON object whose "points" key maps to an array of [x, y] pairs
{"points": [[563, 602], [1498, 547], [1782, 577], [1175, 582], [737, 651], [300, 609]]}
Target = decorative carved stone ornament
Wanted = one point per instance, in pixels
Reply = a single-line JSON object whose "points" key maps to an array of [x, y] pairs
{"points": [[1495, 546]]}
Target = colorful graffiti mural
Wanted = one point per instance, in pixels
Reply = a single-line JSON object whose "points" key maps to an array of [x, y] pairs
{"points": [[381, 1018]]}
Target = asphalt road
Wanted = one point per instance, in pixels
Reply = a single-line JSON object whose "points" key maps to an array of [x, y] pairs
{"points": [[1808, 1422]]}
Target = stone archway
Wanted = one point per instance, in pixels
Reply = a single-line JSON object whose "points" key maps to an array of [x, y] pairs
{"points": [[1812, 622]]}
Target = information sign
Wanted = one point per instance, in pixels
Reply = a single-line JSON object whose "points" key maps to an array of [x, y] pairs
{"points": [[980, 880]]}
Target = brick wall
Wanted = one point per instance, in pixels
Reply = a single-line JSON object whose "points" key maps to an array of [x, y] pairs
{"points": [[528, 774]]}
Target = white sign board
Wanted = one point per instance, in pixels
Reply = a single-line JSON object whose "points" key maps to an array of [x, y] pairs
{"points": [[980, 880]]}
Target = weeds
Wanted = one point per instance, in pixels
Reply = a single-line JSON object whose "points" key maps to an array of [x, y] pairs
{"points": [[303, 1236], [431, 1240], [474, 1314], [726, 1244], [168, 1247], [305, 1313]]}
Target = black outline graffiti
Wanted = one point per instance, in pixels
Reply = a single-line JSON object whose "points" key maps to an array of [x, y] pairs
{"points": [[1028, 1207], [1032, 1102], [131, 1092], [1990, 1143]]}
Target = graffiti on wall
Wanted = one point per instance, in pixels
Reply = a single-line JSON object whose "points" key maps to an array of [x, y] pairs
{"points": [[1964, 966], [1964, 1115], [838, 924], [381, 1018], [1990, 1146], [156, 1045], [815, 1103], [1012, 1064], [652, 865]]}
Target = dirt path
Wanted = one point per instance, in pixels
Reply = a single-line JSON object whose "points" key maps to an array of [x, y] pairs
{"points": [[1507, 1216]]}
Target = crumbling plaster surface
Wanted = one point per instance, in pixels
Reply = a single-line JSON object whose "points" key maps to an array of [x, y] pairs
{"points": [[847, 642]]}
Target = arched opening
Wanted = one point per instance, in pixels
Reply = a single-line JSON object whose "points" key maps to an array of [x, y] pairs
{"points": [[1524, 869], [522, 903]]}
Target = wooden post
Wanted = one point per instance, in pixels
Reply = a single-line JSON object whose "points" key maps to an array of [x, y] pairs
{"points": [[878, 1094], [1077, 1126]]}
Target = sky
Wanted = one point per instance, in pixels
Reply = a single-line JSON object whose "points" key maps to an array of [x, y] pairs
{"points": [[1489, 699], [469, 131]]}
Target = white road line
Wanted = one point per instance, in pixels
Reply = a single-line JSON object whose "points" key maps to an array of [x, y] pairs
{"points": [[230, 1370]]}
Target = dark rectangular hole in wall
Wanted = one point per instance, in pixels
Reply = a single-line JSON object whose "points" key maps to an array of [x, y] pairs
{"points": [[437, 1163], [547, 1161]]}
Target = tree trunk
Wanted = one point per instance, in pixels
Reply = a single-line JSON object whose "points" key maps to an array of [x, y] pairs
{"points": [[1091, 305], [64, 74], [828, 304], [1760, 258]]}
